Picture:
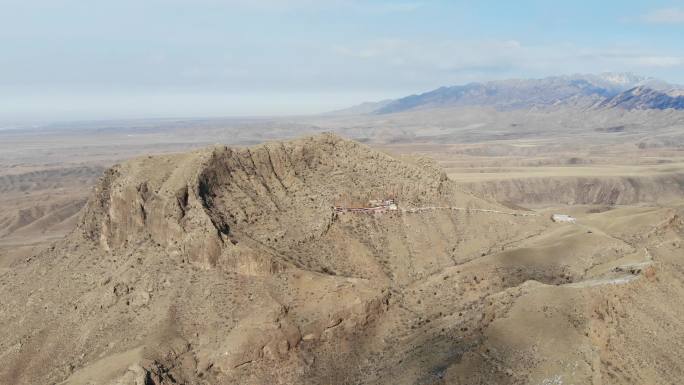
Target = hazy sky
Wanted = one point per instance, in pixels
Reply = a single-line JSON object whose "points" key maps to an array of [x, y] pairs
{"points": [[88, 59]]}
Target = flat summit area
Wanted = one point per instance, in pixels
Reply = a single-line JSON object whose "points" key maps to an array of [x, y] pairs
{"points": [[226, 265]]}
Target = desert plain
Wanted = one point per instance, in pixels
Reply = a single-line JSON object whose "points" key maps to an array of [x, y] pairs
{"points": [[206, 251]]}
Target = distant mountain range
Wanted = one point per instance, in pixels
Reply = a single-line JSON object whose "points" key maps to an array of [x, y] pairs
{"points": [[644, 98], [608, 90]]}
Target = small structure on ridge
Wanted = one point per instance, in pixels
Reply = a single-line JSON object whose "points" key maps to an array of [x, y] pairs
{"points": [[374, 206], [563, 218]]}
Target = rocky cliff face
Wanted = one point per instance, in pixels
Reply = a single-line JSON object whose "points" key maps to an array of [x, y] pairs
{"points": [[271, 202], [154, 200]]}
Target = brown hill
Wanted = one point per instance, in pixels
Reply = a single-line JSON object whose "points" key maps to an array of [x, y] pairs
{"points": [[38, 207], [229, 265]]}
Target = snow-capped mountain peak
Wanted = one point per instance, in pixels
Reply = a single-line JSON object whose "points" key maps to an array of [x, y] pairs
{"points": [[625, 79]]}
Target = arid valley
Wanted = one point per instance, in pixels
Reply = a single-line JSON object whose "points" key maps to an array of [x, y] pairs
{"points": [[208, 251]]}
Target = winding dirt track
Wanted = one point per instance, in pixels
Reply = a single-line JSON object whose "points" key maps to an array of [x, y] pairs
{"points": [[428, 208]]}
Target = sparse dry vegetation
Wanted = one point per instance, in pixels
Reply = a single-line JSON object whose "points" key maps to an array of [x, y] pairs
{"points": [[228, 265]]}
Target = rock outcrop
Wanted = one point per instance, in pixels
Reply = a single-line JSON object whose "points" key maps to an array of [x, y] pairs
{"points": [[252, 209]]}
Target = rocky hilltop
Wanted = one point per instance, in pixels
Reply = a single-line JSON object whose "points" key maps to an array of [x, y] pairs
{"points": [[213, 205], [229, 265]]}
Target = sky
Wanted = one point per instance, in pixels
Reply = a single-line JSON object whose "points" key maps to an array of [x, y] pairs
{"points": [[94, 59]]}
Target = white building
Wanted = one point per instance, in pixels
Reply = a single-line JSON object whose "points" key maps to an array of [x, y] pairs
{"points": [[390, 204], [563, 218]]}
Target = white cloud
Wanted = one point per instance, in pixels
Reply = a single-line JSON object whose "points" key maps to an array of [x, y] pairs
{"points": [[634, 58], [430, 56], [451, 62], [659, 61], [388, 6], [665, 16]]}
